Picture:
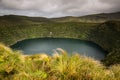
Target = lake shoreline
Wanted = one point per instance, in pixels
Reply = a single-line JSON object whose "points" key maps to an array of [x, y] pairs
{"points": [[70, 45]]}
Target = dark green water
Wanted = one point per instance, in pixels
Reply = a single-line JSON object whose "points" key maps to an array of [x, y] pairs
{"points": [[48, 45]]}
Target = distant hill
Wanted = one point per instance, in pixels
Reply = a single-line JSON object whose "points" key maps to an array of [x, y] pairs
{"points": [[15, 19], [95, 18]]}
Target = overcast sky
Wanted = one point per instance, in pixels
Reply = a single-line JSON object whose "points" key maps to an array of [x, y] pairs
{"points": [[58, 8]]}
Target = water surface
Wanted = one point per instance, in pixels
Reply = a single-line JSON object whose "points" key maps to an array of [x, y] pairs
{"points": [[48, 45]]}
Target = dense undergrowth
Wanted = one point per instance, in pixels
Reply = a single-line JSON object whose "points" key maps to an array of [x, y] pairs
{"points": [[16, 66]]}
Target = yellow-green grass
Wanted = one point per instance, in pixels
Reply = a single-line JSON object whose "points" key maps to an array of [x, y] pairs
{"points": [[16, 66]]}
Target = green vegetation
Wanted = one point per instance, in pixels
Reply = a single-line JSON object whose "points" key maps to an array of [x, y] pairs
{"points": [[107, 35], [94, 28], [10, 34], [60, 66]]}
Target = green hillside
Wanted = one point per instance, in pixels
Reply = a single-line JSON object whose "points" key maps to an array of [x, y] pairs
{"points": [[12, 33], [106, 34], [95, 18], [15, 19]]}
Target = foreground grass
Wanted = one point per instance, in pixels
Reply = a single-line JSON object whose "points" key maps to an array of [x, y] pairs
{"points": [[60, 66]]}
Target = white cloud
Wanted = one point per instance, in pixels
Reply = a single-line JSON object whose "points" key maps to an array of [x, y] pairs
{"points": [[56, 8]]}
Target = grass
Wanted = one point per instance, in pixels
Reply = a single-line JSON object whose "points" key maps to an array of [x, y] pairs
{"points": [[16, 66]]}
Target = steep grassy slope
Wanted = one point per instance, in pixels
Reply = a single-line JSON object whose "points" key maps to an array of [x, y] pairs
{"points": [[11, 33], [15, 66], [108, 36]]}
